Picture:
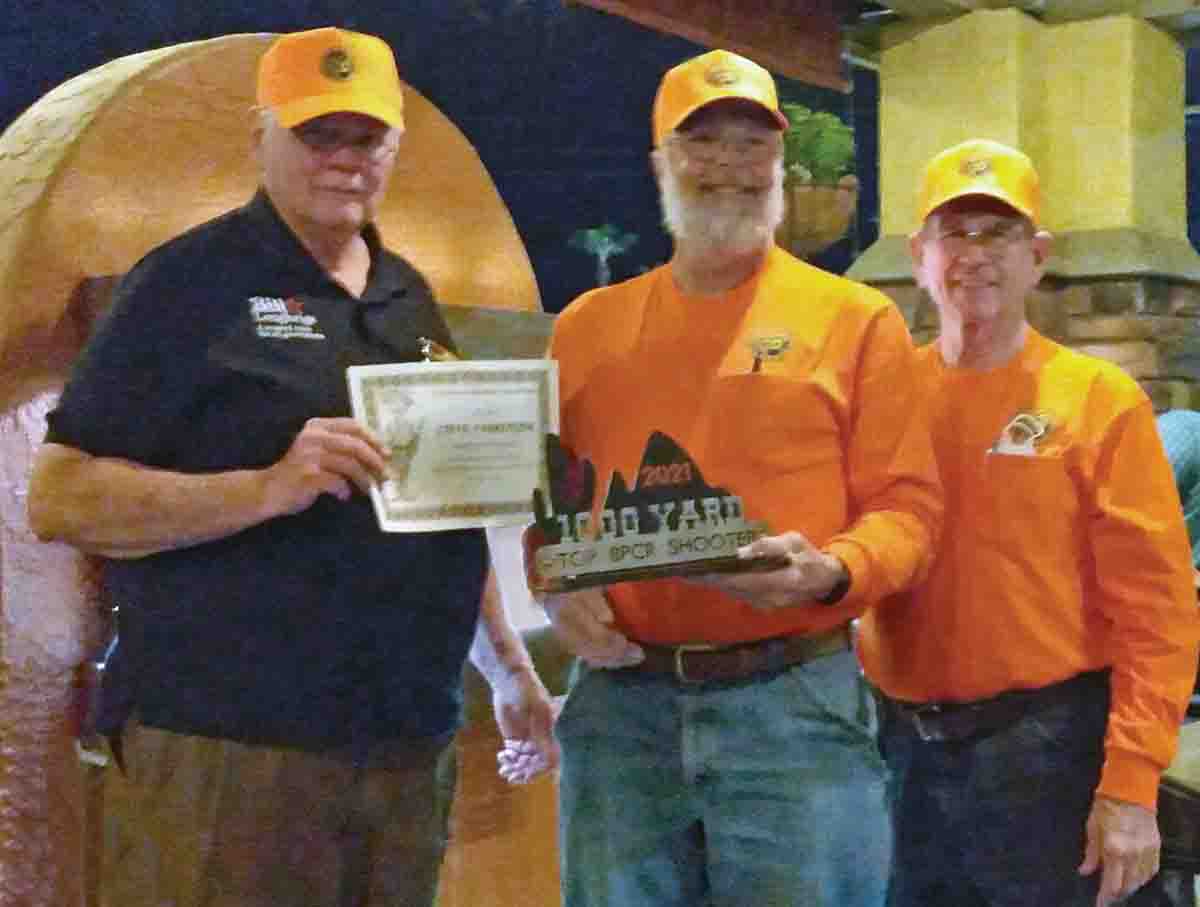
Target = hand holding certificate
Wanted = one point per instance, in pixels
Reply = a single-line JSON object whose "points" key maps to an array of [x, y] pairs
{"points": [[466, 439]]}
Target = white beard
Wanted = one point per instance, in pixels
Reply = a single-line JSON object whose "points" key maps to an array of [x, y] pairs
{"points": [[733, 224]]}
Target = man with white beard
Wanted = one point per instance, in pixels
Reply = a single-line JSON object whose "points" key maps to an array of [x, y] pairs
{"points": [[719, 743]]}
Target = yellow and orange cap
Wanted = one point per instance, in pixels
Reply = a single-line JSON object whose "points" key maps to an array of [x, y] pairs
{"points": [[980, 167], [308, 74], [714, 76]]}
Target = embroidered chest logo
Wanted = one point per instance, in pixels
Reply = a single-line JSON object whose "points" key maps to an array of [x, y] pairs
{"points": [[282, 319], [1022, 435]]}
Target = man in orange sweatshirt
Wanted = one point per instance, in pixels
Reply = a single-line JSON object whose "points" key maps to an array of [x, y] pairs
{"points": [[719, 741], [1034, 682]]}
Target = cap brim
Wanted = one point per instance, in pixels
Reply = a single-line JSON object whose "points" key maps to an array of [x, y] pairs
{"points": [[304, 109], [980, 192], [776, 117]]}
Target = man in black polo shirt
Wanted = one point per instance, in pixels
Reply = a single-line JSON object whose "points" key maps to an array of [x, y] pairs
{"points": [[293, 674]]}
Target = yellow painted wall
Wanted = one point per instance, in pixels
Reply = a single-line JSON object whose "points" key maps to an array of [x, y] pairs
{"points": [[1089, 68], [1097, 104], [948, 83]]}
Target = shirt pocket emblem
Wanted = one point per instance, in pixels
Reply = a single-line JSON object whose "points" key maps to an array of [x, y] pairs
{"points": [[283, 319], [1021, 436]]}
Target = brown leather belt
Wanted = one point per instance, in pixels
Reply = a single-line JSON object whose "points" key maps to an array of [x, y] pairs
{"points": [[951, 722], [701, 663]]}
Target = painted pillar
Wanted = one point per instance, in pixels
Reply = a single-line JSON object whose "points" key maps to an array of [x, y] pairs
{"points": [[1099, 106]]}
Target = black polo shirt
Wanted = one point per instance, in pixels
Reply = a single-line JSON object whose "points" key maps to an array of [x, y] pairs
{"points": [[313, 630]]}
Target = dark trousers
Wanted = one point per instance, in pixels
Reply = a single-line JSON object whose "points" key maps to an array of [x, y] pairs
{"points": [[197, 822], [997, 820]]}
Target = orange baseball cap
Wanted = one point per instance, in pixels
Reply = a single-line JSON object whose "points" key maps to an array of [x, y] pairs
{"points": [[308, 74], [980, 167], [715, 76]]}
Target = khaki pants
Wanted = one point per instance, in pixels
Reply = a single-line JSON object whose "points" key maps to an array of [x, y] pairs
{"points": [[198, 822]]}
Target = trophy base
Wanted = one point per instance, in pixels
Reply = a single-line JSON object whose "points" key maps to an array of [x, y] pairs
{"points": [[726, 564]]}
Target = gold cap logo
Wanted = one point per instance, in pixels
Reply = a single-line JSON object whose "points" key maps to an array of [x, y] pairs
{"points": [[976, 166], [720, 76], [336, 64]]}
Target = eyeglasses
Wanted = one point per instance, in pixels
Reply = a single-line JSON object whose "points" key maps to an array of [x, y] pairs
{"points": [[707, 148], [324, 139], [994, 238]]}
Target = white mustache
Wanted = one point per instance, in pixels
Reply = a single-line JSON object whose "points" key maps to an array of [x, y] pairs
{"points": [[736, 214]]}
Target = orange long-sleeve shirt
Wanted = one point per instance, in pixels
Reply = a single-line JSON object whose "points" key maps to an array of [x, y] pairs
{"points": [[824, 438], [1060, 554]]}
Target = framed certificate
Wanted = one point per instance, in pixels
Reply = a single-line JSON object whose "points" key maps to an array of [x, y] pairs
{"points": [[467, 439]]}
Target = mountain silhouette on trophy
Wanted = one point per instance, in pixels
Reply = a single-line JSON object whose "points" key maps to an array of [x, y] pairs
{"points": [[670, 523]]}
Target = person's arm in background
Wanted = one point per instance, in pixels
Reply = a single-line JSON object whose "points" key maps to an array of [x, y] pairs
{"points": [[524, 709], [1180, 433]]}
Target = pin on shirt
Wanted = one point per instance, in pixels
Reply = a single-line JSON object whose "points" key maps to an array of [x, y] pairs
{"points": [[768, 346], [432, 351]]}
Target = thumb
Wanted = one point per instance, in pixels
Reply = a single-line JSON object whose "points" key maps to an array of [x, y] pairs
{"points": [[767, 546], [634, 654], [798, 543], [596, 607]]}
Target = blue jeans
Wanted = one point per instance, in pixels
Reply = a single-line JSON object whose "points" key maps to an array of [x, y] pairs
{"points": [[998, 821], [769, 791]]}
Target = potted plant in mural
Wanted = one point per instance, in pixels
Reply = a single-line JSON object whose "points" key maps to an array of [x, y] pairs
{"points": [[819, 183], [603, 242]]}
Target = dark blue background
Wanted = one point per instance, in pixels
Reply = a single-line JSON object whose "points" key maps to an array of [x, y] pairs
{"points": [[555, 99]]}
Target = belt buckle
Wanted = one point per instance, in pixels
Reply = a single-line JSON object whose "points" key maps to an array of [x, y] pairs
{"points": [[927, 734], [680, 673]]}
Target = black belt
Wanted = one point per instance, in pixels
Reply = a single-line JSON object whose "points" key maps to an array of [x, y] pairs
{"points": [[702, 663], [946, 722]]}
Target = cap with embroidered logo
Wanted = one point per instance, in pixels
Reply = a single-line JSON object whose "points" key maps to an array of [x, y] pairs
{"points": [[714, 76], [308, 74], [980, 167]]}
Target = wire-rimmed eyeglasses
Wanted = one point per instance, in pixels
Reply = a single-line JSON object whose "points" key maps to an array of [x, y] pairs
{"points": [[996, 237]]}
